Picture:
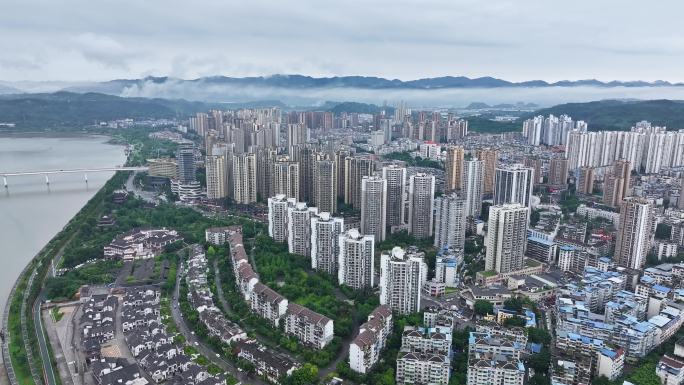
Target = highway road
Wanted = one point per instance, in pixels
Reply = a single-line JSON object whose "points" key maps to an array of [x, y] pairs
{"points": [[43, 343]]}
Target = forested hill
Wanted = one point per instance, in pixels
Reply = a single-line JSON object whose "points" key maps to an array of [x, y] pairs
{"points": [[67, 110], [621, 115]]}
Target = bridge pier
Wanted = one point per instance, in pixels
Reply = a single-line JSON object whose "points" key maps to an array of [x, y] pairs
{"points": [[47, 180], [86, 177], [4, 181]]}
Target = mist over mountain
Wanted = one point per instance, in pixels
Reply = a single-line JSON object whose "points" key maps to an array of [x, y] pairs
{"points": [[300, 90], [360, 82]]}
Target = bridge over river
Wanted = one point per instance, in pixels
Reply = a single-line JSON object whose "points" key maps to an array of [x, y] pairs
{"points": [[84, 171]]}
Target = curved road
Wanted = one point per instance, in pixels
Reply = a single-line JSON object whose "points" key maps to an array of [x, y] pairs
{"points": [[201, 347]]}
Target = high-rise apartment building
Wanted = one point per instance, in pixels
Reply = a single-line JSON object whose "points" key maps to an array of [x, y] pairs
{"points": [[506, 237], [356, 260], [325, 238], [456, 129], [217, 185], [616, 183], [266, 158], [454, 168], [356, 167], [278, 216], [286, 178], [325, 186], [396, 185], [473, 187], [450, 221], [185, 156], [305, 155], [490, 157], [536, 164], [585, 180], [421, 200], [513, 184], [225, 150], [635, 233], [386, 128], [244, 171], [402, 276], [646, 147], [297, 133], [374, 207], [551, 130], [341, 171], [299, 228], [558, 172]]}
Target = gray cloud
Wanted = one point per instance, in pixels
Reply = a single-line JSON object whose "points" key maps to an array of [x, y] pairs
{"points": [[515, 40], [212, 92]]}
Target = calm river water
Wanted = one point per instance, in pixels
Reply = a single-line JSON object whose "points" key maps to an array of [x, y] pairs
{"points": [[31, 212]]}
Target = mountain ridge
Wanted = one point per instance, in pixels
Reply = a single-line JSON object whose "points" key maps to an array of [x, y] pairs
{"points": [[296, 81]]}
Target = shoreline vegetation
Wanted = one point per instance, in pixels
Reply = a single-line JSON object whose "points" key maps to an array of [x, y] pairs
{"points": [[80, 240], [40, 263], [18, 318]]}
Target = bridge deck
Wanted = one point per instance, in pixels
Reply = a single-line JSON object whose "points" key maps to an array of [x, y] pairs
{"points": [[72, 171]]}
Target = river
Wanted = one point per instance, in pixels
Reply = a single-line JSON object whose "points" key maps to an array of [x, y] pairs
{"points": [[32, 212]]}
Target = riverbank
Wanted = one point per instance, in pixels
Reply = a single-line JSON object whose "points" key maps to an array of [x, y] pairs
{"points": [[33, 212], [20, 348]]}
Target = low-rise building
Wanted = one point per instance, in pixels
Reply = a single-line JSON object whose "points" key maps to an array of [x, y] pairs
{"points": [[670, 370], [494, 360], [310, 328], [424, 357], [435, 339], [220, 235], [140, 243], [267, 304], [266, 363], [366, 348]]}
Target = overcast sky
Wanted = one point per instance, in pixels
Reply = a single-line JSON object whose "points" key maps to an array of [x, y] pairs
{"points": [[514, 40]]}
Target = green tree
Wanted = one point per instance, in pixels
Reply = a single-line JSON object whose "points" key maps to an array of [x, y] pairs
{"points": [[307, 374], [540, 361], [539, 336], [385, 378], [514, 303], [514, 321], [645, 374], [539, 379], [603, 380], [483, 307]]}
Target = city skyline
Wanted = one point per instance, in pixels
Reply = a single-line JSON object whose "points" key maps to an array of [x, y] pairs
{"points": [[338, 193]]}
